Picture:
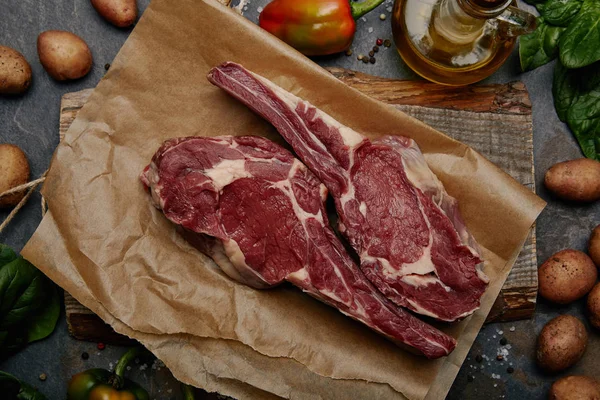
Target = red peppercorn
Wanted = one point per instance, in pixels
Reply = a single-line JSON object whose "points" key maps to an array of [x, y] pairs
{"points": [[101, 346], [379, 42]]}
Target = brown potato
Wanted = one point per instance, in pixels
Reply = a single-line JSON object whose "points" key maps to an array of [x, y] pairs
{"points": [[64, 55], [14, 171], [575, 180], [561, 343], [567, 276], [575, 387], [121, 13], [15, 72], [594, 246], [593, 305]]}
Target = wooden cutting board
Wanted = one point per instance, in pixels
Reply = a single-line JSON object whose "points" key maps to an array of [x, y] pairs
{"points": [[493, 119]]}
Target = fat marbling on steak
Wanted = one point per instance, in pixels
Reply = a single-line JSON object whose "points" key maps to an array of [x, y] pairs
{"points": [[259, 213], [408, 232]]}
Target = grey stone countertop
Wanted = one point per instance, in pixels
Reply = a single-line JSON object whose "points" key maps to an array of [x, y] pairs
{"points": [[31, 122]]}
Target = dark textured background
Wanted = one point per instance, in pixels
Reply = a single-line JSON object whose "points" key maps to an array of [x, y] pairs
{"points": [[31, 122]]}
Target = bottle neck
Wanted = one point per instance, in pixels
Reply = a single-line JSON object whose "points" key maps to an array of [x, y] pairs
{"points": [[455, 24]]}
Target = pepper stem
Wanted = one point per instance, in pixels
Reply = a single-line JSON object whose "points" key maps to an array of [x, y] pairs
{"points": [[188, 392], [360, 9], [126, 358]]}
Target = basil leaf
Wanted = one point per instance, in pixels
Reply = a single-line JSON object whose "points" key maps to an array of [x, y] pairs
{"points": [[42, 324], [560, 12], [12, 388], [29, 303], [540, 46], [580, 43], [565, 89], [577, 101]]}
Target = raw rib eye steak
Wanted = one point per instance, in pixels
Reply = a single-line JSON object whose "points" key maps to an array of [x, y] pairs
{"points": [[259, 213], [393, 210]]}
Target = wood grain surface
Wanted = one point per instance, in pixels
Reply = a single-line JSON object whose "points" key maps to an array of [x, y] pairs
{"points": [[493, 119]]}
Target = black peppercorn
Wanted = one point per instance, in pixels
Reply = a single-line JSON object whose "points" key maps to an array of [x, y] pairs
{"points": [[106, 66], [499, 357], [375, 49], [470, 378], [510, 370], [387, 42], [85, 355], [503, 341], [365, 60], [478, 358], [372, 60], [371, 53]]}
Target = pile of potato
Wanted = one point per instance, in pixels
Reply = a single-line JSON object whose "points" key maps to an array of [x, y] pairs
{"points": [[64, 55], [567, 276]]}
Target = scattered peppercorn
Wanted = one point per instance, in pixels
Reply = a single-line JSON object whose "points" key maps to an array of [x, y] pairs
{"points": [[43, 377], [106, 66], [101, 346], [372, 60], [375, 49], [387, 42], [382, 17], [85, 355], [365, 60], [510, 370], [371, 53], [349, 52], [503, 341], [470, 378], [478, 358], [360, 57], [499, 357], [379, 42]]}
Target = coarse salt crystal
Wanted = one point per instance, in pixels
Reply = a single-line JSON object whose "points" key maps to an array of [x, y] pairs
{"points": [[389, 9], [500, 332], [259, 9], [370, 30], [512, 329]]}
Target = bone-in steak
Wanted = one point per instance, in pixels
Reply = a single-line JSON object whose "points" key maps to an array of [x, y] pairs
{"points": [[259, 213], [393, 210]]}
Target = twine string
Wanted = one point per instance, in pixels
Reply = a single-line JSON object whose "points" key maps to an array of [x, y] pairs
{"points": [[30, 187]]}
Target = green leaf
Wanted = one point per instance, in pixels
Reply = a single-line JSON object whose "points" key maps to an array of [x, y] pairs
{"points": [[560, 12], [12, 388], [565, 88], [580, 43], [42, 324], [540, 46], [29, 303], [577, 101]]}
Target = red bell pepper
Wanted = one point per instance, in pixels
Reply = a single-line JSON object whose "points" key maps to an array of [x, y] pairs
{"points": [[315, 27]]}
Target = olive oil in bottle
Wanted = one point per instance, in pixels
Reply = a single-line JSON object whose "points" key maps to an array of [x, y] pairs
{"points": [[457, 42]]}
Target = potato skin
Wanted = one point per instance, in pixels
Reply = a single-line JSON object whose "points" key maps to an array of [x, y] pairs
{"points": [[15, 72], [575, 387], [121, 13], [594, 246], [14, 171], [64, 55], [575, 180], [593, 306], [567, 276], [561, 343]]}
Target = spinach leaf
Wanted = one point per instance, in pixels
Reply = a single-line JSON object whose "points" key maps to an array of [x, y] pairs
{"points": [[577, 101], [12, 388], [540, 46], [580, 43], [565, 88], [29, 303], [560, 12]]}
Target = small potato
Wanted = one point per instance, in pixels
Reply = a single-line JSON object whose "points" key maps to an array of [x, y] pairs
{"points": [[14, 171], [593, 305], [64, 55], [567, 276], [121, 13], [561, 343], [575, 180], [575, 387], [15, 72], [594, 246]]}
